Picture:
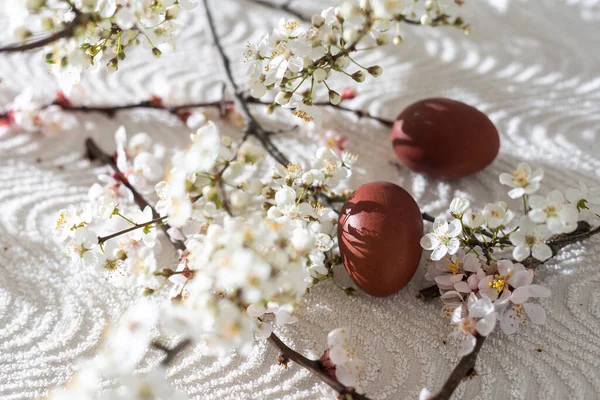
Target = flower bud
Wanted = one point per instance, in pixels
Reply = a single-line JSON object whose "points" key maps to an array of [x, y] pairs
{"points": [[156, 52], [307, 178], [112, 65], [320, 74], [148, 291], [338, 16], [382, 40], [283, 98], [397, 40], [429, 4], [375, 70], [358, 76], [317, 20], [330, 39], [334, 97], [21, 33], [426, 19], [342, 62]]}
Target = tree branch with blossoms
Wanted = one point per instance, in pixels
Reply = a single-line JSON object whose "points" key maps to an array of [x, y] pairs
{"points": [[478, 284], [250, 249], [67, 31]]}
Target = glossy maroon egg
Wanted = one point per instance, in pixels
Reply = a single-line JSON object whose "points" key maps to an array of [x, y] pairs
{"points": [[379, 230], [444, 139]]}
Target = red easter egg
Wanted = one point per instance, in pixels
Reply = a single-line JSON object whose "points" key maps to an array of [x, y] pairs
{"points": [[379, 230], [444, 139]]}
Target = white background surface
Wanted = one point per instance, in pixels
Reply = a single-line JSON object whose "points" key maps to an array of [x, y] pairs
{"points": [[533, 66]]}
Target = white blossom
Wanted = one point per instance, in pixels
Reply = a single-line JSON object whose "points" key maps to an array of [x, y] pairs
{"points": [[559, 215], [523, 180], [497, 215], [458, 206], [444, 238], [530, 239], [479, 318]]}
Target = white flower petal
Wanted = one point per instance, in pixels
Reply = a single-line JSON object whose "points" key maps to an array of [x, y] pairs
{"points": [[467, 345], [520, 295], [486, 325], [429, 242], [521, 278], [516, 193], [539, 291], [521, 252], [541, 251], [454, 228], [535, 312], [439, 252]]}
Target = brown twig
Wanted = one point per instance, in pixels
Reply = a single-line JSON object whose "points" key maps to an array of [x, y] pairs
{"points": [[253, 127], [463, 369], [315, 367], [102, 239], [285, 7], [171, 353], [95, 153], [67, 31]]}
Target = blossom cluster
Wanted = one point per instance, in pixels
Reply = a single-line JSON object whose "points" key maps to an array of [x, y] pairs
{"points": [[87, 231], [94, 33], [124, 346], [140, 329], [479, 283], [252, 247], [29, 112], [294, 59]]}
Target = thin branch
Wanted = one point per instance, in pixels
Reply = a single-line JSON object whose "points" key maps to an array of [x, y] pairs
{"points": [[358, 113], [463, 369], [171, 353], [315, 367], [253, 127], [285, 7], [67, 31], [102, 239], [95, 153]]}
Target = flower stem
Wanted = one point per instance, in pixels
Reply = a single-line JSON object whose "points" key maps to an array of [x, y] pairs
{"points": [[102, 239]]}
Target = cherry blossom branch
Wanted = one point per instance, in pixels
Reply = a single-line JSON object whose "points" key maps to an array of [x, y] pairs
{"points": [[157, 104], [467, 364], [315, 367], [464, 368], [253, 127], [95, 153], [286, 8], [102, 239], [67, 31]]}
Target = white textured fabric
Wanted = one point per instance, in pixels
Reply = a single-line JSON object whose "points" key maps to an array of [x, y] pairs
{"points": [[531, 65]]}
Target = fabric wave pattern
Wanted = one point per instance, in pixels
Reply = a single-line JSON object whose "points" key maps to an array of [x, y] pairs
{"points": [[530, 65]]}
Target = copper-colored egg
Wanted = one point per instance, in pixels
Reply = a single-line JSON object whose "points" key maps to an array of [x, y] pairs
{"points": [[379, 232], [444, 139]]}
